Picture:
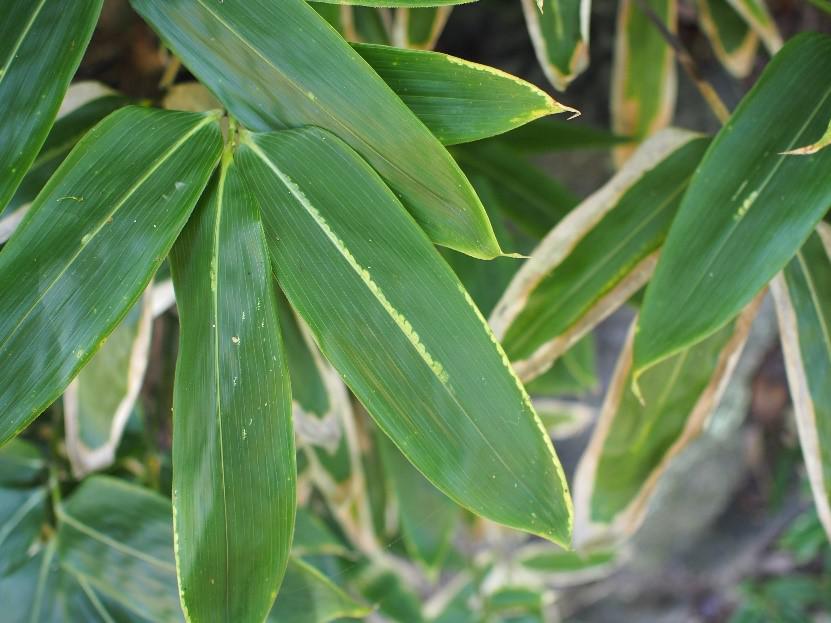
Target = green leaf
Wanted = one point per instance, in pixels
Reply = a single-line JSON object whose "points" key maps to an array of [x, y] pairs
{"points": [[119, 538], [278, 64], [733, 41], [755, 13], [313, 537], [644, 81], [43, 591], [634, 441], [532, 199], [598, 256], [732, 234], [560, 34], [234, 472], [458, 100], [308, 596], [367, 287], [41, 44], [22, 511], [98, 403], [427, 516], [89, 246], [63, 136], [803, 303]]}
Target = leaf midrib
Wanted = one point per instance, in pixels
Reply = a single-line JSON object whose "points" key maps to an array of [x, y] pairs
{"points": [[352, 263], [689, 292]]}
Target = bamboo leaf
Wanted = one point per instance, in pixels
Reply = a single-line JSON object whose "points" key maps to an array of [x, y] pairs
{"points": [[559, 30], [634, 441], [20, 463], [548, 134], [802, 293], [458, 100], [823, 142], [644, 81], [568, 286], [233, 452], [277, 64], [63, 136], [733, 41], [309, 597], [98, 403], [90, 245], [367, 289], [41, 44], [755, 13], [732, 234], [397, 3]]}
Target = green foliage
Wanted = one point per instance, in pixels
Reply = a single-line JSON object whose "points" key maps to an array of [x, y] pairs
{"points": [[350, 435]]}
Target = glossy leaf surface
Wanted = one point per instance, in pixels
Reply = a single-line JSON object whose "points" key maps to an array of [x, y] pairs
{"points": [[458, 100], [233, 451], [90, 245], [277, 64], [41, 44], [63, 136], [748, 208], [803, 303], [369, 288]]}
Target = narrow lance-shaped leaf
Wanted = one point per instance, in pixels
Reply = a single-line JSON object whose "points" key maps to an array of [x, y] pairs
{"points": [[756, 13], [803, 304], [733, 41], [90, 245], [458, 100], [277, 64], [598, 256], [233, 450], [634, 442], [98, 403], [748, 208], [393, 319], [644, 81], [560, 33], [41, 44]]}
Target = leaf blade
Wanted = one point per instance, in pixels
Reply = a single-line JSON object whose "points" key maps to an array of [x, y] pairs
{"points": [[231, 365], [36, 66], [47, 335], [243, 51], [301, 210]]}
